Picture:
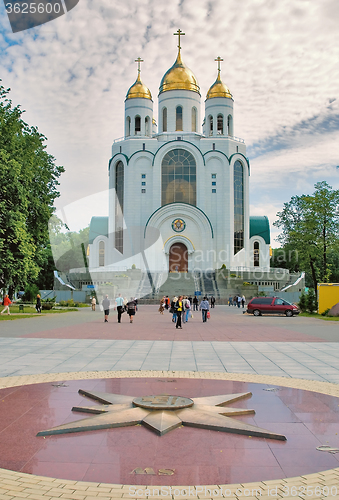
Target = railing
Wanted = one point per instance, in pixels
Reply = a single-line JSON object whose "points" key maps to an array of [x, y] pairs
{"points": [[179, 136]]}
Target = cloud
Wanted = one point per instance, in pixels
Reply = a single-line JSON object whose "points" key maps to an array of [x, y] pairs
{"points": [[280, 62]]}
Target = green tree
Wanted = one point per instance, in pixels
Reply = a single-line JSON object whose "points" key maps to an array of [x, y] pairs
{"points": [[310, 225], [29, 180]]}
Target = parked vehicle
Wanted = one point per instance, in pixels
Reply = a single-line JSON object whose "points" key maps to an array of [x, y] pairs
{"points": [[271, 305]]}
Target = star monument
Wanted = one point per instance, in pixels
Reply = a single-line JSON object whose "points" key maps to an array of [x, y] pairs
{"points": [[163, 413]]}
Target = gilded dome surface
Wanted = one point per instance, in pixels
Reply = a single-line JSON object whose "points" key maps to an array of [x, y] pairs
{"points": [[219, 89], [138, 89], [179, 77]]}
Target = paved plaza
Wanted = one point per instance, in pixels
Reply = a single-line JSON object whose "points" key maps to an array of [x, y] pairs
{"points": [[297, 352]]}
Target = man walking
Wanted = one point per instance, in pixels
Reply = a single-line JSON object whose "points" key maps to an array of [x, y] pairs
{"points": [[120, 305], [105, 305], [204, 307]]}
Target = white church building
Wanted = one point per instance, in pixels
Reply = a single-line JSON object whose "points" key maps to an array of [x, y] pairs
{"points": [[179, 191]]}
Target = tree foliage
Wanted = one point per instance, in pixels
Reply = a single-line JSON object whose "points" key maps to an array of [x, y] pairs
{"points": [[310, 225], [29, 180]]}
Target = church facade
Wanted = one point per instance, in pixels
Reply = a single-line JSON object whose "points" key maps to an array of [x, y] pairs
{"points": [[180, 187]]}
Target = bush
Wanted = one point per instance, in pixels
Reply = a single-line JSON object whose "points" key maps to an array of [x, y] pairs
{"points": [[246, 283], [46, 306], [325, 313], [233, 275], [311, 302], [302, 304]]}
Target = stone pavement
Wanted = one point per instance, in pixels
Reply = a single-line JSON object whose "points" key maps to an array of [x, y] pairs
{"points": [[232, 346]]}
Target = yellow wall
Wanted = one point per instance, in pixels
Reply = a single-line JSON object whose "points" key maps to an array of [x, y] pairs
{"points": [[328, 296]]}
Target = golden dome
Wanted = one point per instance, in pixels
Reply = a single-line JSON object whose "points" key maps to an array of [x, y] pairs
{"points": [[138, 89], [219, 89], [179, 77]]}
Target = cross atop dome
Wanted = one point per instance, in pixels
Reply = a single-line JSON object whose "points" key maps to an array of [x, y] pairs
{"points": [[179, 33], [218, 59], [139, 60]]}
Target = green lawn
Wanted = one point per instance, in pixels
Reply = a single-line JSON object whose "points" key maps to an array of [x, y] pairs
{"points": [[319, 316], [30, 312]]}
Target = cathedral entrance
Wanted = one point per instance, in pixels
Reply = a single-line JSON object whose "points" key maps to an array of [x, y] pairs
{"points": [[178, 258]]}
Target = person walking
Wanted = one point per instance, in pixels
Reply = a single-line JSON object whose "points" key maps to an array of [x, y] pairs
{"points": [[131, 308], [204, 307], [105, 305], [38, 304], [162, 306], [167, 302], [230, 300], [195, 303], [7, 303], [93, 302], [179, 309], [212, 302], [120, 306], [243, 301], [173, 309], [238, 301], [187, 309]]}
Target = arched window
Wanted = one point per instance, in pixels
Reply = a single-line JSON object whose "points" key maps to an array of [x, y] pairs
{"points": [[194, 119], [101, 253], [137, 125], [238, 206], [119, 206], [256, 257], [178, 118], [210, 125], [128, 126], [220, 125], [164, 119], [230, 125], [178, 177], [147, 126]]}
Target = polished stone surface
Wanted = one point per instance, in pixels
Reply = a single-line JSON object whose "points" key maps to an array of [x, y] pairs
{"points": [[309, 420]]}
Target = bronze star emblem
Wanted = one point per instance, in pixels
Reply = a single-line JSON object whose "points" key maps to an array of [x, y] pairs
{"points": [[163, 413]]}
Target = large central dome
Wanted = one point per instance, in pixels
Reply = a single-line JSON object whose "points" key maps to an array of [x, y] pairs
{"points": [[179, 77]]}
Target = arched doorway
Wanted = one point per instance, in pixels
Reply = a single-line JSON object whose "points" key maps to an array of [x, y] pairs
{"points": [[178, 258]]}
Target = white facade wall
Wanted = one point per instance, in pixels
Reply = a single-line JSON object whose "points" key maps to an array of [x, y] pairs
{"points": [[171, 100]]}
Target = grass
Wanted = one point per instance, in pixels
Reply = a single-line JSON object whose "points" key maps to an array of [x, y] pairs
{"points": [[30, 312], [319, 316]]}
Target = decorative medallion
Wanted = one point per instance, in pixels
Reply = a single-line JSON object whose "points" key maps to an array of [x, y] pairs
{"points": [[163, 413], [178, 225]]}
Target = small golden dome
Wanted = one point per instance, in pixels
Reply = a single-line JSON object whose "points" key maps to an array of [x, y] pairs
{"points": [[219, 89], [138, 89], [179, 77]]}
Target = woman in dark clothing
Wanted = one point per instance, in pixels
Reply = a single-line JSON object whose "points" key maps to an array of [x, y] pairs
{"points": [[179, 309], [38, 304], [131, 307]]}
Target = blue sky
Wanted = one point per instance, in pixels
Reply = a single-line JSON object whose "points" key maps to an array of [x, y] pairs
{"points": [[280, 62]]}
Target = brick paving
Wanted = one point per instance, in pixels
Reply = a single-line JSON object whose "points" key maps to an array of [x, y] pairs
{"points": [[261, 348]]}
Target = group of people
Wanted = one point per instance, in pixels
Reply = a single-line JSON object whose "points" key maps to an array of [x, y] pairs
{"points": [[237, 300], [181, 308], [121, 305], [7, 302]]}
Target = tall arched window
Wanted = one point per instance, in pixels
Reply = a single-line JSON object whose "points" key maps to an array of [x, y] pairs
{"points": [[137, 125], [101, 253], [256, 257], [238, 206], [128, 126], [210, 125], [178, 177], [119, 206], [164, 119], [194, 119], [230, 125], [147, 126], [220, 124], [178, 118]]}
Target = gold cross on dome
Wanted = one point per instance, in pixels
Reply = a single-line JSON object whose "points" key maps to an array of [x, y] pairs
{"points": [[139, 60], [218, 59], [179, 33]]}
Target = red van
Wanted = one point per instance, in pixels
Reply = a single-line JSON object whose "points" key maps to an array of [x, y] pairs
{"points": [[271, 305]]}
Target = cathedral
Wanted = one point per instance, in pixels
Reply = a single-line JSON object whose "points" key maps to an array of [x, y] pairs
{"points": [[179, 191]]}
